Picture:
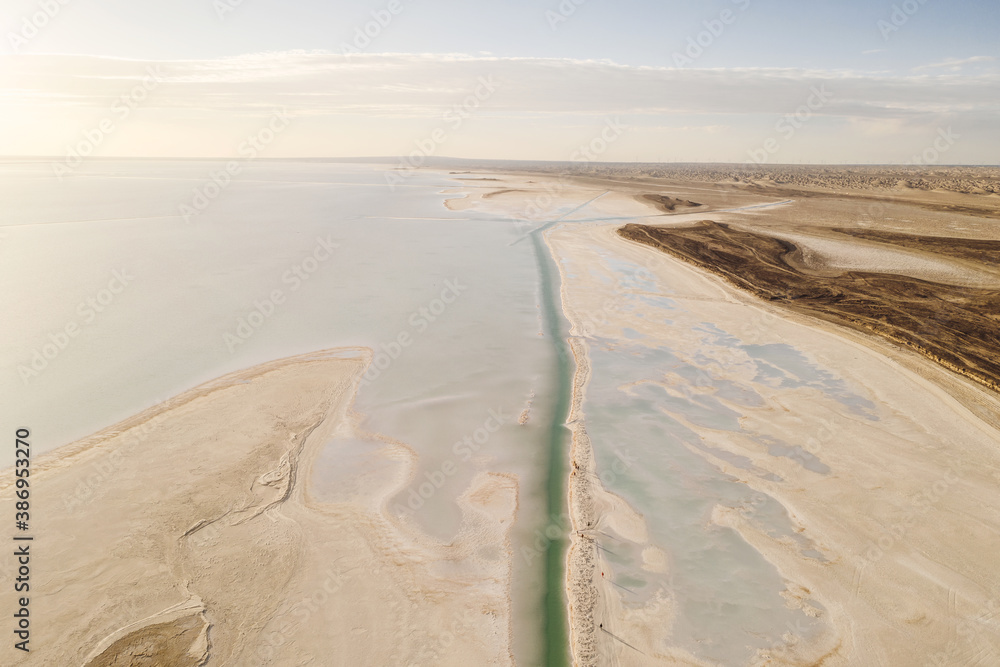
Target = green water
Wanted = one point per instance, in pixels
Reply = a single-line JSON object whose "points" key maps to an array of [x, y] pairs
{"points": [[556, 626]]}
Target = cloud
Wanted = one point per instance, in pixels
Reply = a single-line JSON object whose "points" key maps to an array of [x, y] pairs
{"points": [[318, 82], [396, 95], [955, 64]]}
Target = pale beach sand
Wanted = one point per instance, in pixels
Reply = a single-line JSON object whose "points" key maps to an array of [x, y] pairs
{"points": [[189, 535], [906, 521], [897, 582], [192, 534]]}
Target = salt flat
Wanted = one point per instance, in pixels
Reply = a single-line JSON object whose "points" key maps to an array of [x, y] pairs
{"points": [[750, 486], [365, 471]]}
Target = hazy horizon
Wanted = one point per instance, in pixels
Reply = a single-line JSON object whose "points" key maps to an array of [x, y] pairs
{"points": [[442, 160], [729, 81]]}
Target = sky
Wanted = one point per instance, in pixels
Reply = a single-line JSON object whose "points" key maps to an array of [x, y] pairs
{"points": [[760, 81]]}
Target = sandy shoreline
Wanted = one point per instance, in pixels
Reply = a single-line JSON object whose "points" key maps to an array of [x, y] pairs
{"points": [[874, 597], [904, 520], [192, 534], [189, 535], [596, 612]]}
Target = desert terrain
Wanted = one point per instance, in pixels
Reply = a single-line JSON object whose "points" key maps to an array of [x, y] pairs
{"points": [[886, 275], [190, 534], [892, 284]]}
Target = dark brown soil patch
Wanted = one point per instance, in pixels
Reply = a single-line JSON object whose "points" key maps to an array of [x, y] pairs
{"points": [[978, 250], [669, 204], [958, 327]]}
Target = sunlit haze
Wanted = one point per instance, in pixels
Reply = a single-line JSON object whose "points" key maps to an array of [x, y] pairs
{"points": [[734, 81]]}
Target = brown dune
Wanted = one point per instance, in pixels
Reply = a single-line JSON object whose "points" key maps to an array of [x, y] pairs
{"points": [[955, 326], [669, 204], [978, 250]]}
